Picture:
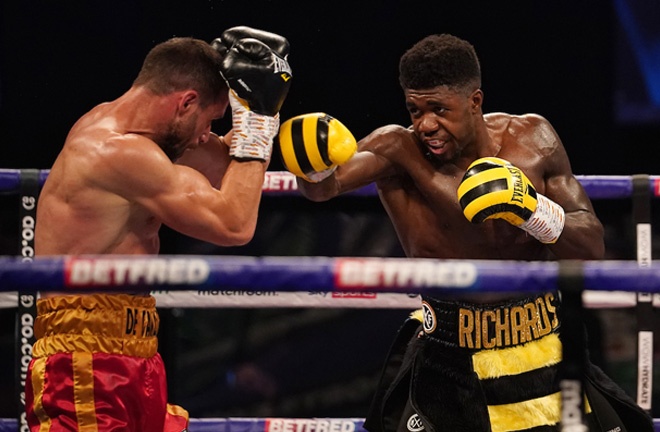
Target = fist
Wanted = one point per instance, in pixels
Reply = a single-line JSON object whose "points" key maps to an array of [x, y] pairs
{"points": [[255, 67], [313, 145], [492, 188]]}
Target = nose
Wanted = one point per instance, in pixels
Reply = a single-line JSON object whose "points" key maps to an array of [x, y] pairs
{"points": [[427, 124]]}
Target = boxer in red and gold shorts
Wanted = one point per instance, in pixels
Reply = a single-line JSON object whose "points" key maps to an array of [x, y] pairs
{"points": [[96, 367]]}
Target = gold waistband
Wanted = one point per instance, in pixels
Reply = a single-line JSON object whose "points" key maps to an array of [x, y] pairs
{"points": [[109, 323], [488, 326]]}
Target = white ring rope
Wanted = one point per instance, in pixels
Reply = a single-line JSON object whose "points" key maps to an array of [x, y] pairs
{"points": [[272, 299]]}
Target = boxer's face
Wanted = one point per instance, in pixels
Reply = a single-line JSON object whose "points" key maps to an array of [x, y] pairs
{"points": [[190, 130], [442, 119]]}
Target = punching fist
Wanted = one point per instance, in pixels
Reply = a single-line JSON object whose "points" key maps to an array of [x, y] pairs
{"points": [[492, 188], [313, 145], [258, 75]]}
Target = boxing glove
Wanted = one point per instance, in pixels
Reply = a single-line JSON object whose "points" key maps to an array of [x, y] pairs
{"points": [[255, 67], [313, 145], [492, 188], [229, 37], [258, 81]]}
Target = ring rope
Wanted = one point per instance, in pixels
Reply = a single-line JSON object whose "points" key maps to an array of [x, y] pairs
{"points": [[241, 424], [230, 298], [284, 183], [314, 274]]}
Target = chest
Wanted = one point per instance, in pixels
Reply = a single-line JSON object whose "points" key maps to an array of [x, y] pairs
{"points": [[430, 223]]}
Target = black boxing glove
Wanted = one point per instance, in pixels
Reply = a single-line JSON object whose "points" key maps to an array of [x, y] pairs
{"points": [[258, 75], [255, 67], [229, 37]]}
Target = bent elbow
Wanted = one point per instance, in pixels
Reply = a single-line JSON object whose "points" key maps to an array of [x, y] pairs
{"points": [[243, 232], [239, 237], [244, 239]]}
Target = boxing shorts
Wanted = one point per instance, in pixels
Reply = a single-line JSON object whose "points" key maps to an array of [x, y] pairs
{"points": [[95, 367], [489, 368]]}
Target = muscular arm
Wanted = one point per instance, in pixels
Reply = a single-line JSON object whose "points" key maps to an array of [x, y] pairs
{"points": [[582, 237], [369, 164], [211, 158], [182, 197]]}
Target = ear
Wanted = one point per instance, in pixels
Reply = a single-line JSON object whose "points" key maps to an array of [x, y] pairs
{"points": [[476, 101], [188, 100]]}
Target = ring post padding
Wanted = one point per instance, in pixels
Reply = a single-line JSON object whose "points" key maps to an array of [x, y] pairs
{"points": [[641, 213], [27, 308], [570, 283]]}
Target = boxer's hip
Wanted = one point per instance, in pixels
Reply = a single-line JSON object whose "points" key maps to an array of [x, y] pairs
{"points": [[120, 324]]}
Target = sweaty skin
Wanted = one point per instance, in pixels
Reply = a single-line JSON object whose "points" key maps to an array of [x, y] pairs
{"points": [[112, 186], [417, 172]]}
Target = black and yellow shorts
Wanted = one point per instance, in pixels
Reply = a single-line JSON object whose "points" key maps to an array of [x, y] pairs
{"points": [[491, 368]]}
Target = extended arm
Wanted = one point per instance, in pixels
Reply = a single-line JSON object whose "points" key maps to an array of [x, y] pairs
{"points": [[367, 166]]}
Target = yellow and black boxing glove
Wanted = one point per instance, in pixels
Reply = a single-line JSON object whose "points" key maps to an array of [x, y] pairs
{"points": [[313, 145], [492, 188]]}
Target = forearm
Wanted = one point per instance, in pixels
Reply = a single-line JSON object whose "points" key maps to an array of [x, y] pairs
{"points": [[242, 188], [321, 191], [582, 237]]}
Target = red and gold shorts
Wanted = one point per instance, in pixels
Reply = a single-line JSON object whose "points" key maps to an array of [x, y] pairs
{"points": [[95, 367]]}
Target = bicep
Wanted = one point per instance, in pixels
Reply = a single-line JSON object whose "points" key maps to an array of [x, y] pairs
{"points": [[182, 198], [211, 159], [175, 195]]}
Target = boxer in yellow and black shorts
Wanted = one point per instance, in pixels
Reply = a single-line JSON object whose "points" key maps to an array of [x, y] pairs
{"points": [[461, 184], [96, 367], [494, 367]]}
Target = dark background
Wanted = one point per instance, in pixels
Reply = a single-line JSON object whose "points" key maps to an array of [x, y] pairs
{"points": [[572, 62], [559, 58]]}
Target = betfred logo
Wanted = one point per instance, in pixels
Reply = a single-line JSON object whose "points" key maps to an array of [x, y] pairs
{"points": [[355, 273], [279, 181], [309, 425], [94, 272]]}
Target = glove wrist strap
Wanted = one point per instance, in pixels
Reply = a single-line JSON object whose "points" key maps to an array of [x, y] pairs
{"points": [[547, 221], [316, 177], [253, 135]]}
